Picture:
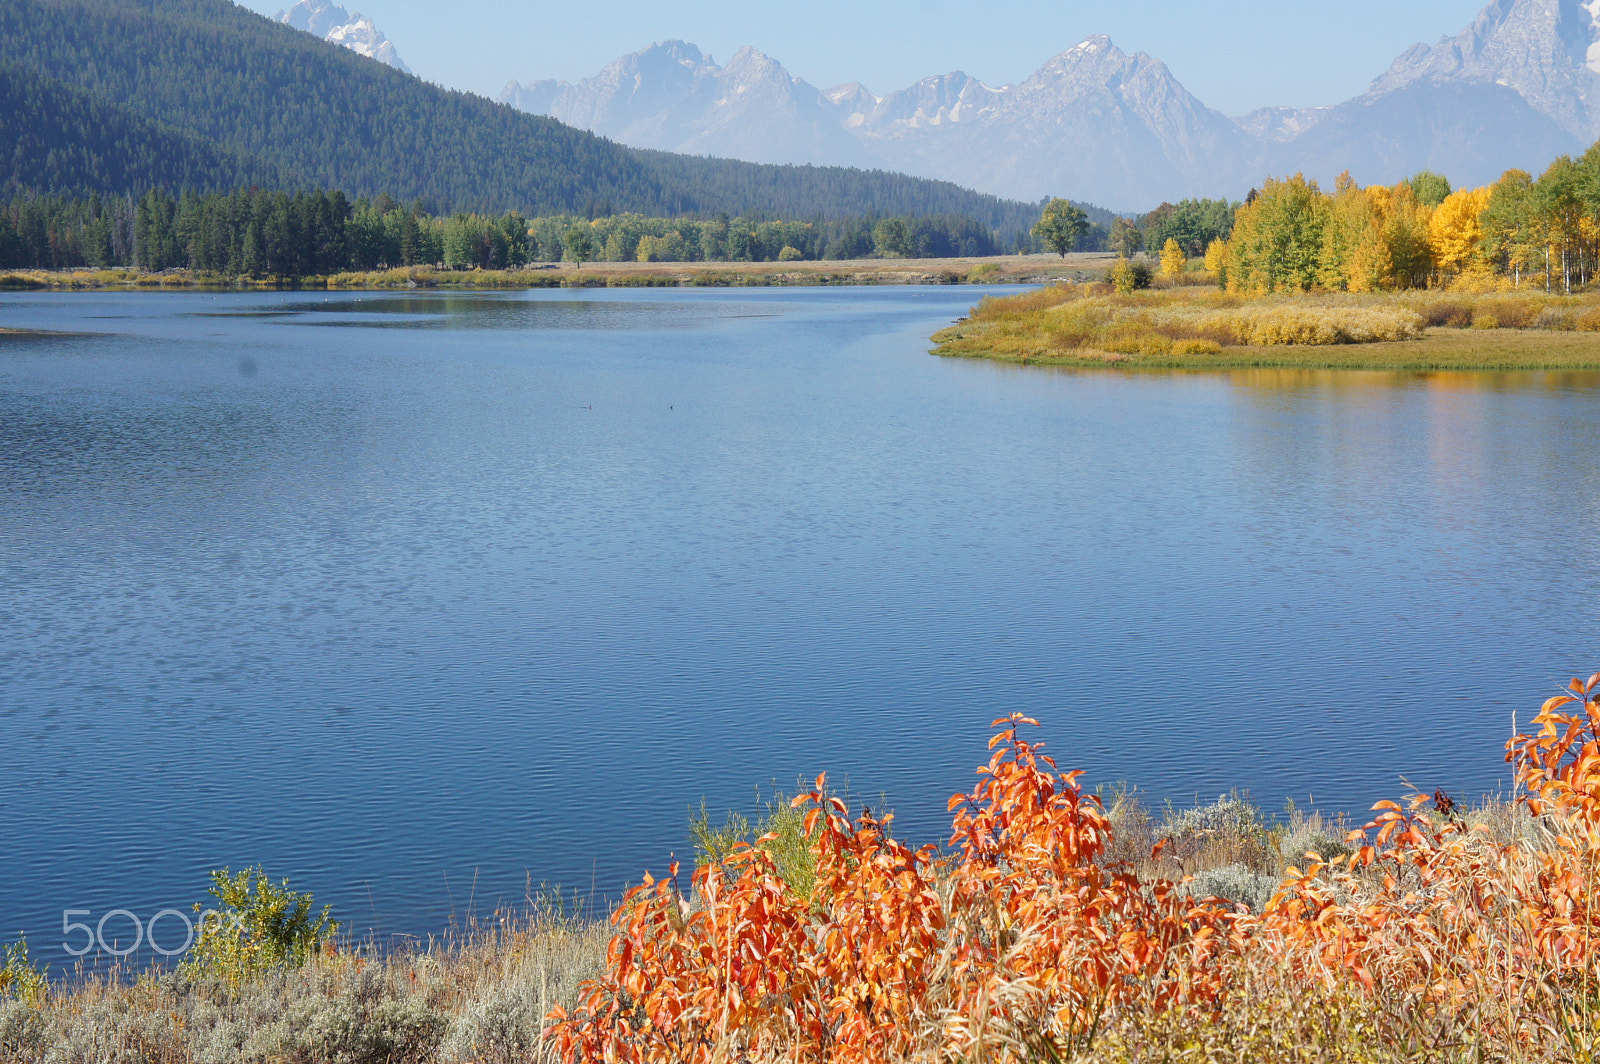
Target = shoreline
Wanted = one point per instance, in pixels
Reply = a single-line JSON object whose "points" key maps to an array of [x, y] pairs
{"points": [[994, 270], [1439, 350], [1189, 328]]}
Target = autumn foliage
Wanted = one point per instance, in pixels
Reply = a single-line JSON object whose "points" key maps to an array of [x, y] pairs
{"points": [[1022, 940]]}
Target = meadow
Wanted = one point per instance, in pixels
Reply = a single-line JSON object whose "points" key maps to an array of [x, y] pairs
{"points": [[1195, 325], [1054, 925]]}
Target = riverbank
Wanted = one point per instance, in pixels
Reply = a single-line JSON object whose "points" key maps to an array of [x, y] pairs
{"points": [[491, 991], [1087, 325], [1012, 269]]}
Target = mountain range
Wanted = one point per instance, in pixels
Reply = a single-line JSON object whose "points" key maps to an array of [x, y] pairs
{"points": [[1516, 88], [120, 96]]}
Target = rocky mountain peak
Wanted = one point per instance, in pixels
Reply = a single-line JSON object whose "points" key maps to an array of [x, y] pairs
{"points": [[750, 67], [326, 19], [1095, 51], [1518, 86], [1547, 51], [672, 97]]}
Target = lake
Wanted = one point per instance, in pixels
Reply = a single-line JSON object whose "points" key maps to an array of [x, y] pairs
{"points": [[426, 600]]}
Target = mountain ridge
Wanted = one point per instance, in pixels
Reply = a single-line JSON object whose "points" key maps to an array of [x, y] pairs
{"points": [[242, 100], [1527, 70]]}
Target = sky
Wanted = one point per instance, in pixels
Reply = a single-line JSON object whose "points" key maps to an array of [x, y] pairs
{"points": [[1235, 55]]}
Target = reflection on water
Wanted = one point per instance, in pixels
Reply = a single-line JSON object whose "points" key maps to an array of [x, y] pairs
{"points": [[498, 598], [478, 310]]}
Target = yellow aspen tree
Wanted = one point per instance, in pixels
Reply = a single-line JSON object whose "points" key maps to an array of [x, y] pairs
{"points": [[1589, 238], [1371, 266], [1216, 256], [1173, 260], [1455, 232], [1350, 215], [1405, 231]]}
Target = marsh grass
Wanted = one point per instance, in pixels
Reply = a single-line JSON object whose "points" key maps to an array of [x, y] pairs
{"points": [[1177, 327]]}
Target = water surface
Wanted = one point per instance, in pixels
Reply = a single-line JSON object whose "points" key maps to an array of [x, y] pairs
{"points": [[425, 600]]}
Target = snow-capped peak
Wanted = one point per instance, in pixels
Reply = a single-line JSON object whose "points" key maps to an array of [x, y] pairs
{"points": [[325, 19]]}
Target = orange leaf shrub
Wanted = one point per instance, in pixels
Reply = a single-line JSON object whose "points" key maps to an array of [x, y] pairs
{"points": [[1023, 941], [1429, 913], [1019, 938]]}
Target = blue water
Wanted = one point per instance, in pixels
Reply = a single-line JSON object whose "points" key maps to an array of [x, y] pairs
{"points": [[423, 601]]}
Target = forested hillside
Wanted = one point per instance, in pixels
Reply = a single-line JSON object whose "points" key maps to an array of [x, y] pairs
{"points": [[249, 99], [65, 140]]}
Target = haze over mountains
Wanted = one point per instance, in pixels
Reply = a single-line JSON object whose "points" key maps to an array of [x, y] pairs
{"points": [[1516, 88]]}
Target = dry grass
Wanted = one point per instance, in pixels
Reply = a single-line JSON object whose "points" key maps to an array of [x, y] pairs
{"points": [[480, 998], [1087, 324], [484, 996]]}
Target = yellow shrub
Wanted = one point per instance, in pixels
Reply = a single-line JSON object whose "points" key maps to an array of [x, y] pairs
{"points": [[1196, 347], [1270, 324], [1476, 280]]}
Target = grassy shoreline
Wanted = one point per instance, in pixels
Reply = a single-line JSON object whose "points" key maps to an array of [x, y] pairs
{"points": [[1014, 269], [484, 993], [1088, 326]]}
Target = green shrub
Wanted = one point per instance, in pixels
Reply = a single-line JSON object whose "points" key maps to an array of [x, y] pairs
{"points": [[257, 925], [1228, 831], [781, 832], [712, 845], [20, 980]]}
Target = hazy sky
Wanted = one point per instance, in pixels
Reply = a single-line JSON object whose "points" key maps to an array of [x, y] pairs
{"points": [[1235, 55]]}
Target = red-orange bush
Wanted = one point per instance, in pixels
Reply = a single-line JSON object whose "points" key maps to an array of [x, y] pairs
{"points": [[1024, 942], [1019, 937]]}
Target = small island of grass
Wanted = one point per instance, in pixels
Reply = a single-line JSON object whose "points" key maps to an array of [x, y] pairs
{"points": [[1092, 325]]}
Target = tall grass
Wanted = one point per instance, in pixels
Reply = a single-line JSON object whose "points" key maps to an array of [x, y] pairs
{"points": [[1177, 326], [479, 996]]}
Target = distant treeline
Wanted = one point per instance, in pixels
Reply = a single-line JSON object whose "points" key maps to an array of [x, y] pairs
{"points": [[278, 234], [1194, 223]]}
